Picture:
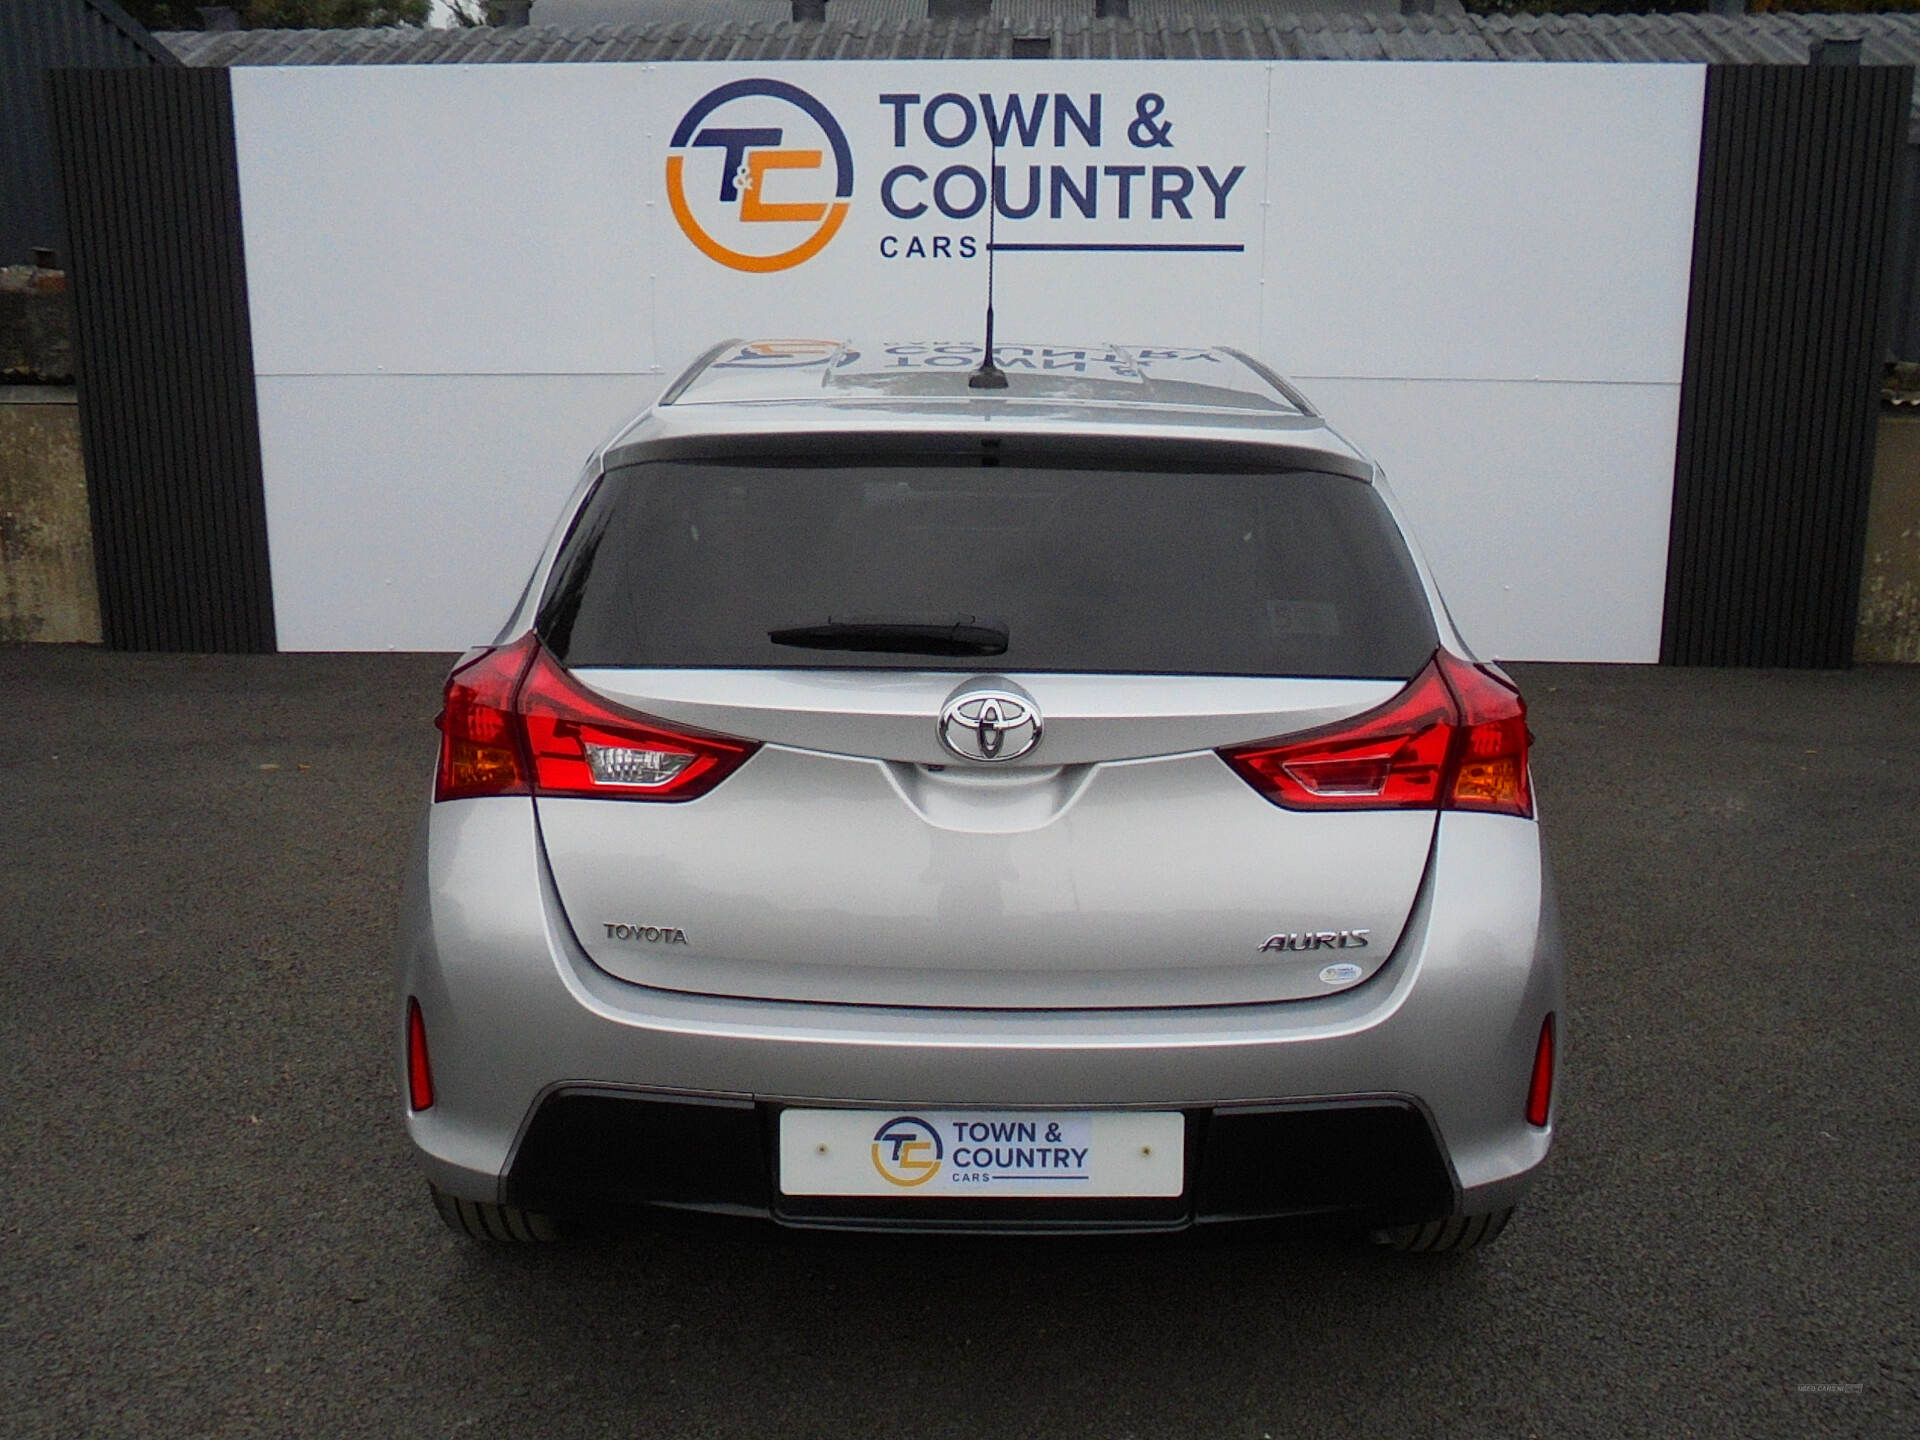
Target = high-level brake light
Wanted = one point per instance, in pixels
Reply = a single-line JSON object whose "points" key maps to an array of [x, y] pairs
{"points": [[1454, 739], [515, 723]]}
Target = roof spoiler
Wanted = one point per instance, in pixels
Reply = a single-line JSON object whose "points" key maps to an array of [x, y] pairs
{"points": [[687, 376], [1279, 382]]}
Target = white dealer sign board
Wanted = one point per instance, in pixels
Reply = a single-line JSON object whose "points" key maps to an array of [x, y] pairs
{"points": [[461, 278]]}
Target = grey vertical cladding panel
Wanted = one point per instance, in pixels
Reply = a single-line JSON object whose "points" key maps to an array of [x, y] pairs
{"points": [[1798, 180], [164, 355], [36, 35]]}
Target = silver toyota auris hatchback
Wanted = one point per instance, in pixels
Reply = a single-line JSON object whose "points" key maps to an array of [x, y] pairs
{"points": [[907, 804]]}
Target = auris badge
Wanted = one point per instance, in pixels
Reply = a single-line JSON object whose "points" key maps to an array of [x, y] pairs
{"points": [[989, 725], [750, 179]]}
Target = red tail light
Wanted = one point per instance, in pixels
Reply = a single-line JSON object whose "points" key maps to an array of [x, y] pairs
{"points": [[1490, 765], [581, 745], [481, 749], [515, 723], [1454, 739], [1540, 1087], [419, 1071]]}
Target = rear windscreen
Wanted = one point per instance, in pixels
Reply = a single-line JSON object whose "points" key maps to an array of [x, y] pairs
{"points": [[692, 563]]}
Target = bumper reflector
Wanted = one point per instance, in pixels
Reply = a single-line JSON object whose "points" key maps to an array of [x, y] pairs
{"points": [[419, 1072], [1540, 1088]]}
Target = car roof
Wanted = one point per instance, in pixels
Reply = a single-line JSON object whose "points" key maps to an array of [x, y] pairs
{"points": [[746, 389]]}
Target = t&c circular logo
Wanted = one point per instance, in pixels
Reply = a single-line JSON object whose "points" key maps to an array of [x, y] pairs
{"points": [[750, 179], [907, 1151], [787, 355]]}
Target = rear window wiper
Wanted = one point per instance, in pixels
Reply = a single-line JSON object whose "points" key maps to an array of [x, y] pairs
{"points": [[900, 634]]}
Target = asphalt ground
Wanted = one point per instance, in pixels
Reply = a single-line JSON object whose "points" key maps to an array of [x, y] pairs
{"points": [[210, 1223]]}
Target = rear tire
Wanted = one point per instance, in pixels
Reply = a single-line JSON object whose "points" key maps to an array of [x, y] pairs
{"points": [[498, 1224], [1447, 1237]]}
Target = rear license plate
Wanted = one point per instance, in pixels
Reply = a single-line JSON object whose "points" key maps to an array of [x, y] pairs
{"points": [[955, 1154]]}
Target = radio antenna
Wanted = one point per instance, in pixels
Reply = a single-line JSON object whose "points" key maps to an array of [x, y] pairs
{"points": [[989, 376]]}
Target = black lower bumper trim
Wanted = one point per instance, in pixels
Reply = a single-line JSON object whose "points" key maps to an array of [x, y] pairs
{"points": [[604, 1151], [1373, 1160]]}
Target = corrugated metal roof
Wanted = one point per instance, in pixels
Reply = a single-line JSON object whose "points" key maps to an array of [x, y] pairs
{"points": [[1158, 29], [1026, 16]]}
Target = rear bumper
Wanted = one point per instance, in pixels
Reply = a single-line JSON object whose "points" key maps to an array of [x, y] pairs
{"points": [[1374, 1161], [518, 1018]]}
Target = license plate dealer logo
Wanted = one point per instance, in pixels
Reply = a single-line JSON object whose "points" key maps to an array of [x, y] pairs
{"points": [[988, 1150], [908, 1154], [907, 1151]]}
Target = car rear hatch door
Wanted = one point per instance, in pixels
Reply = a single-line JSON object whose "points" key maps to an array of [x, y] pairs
{"points": [[860, 857], [852, 860]]}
